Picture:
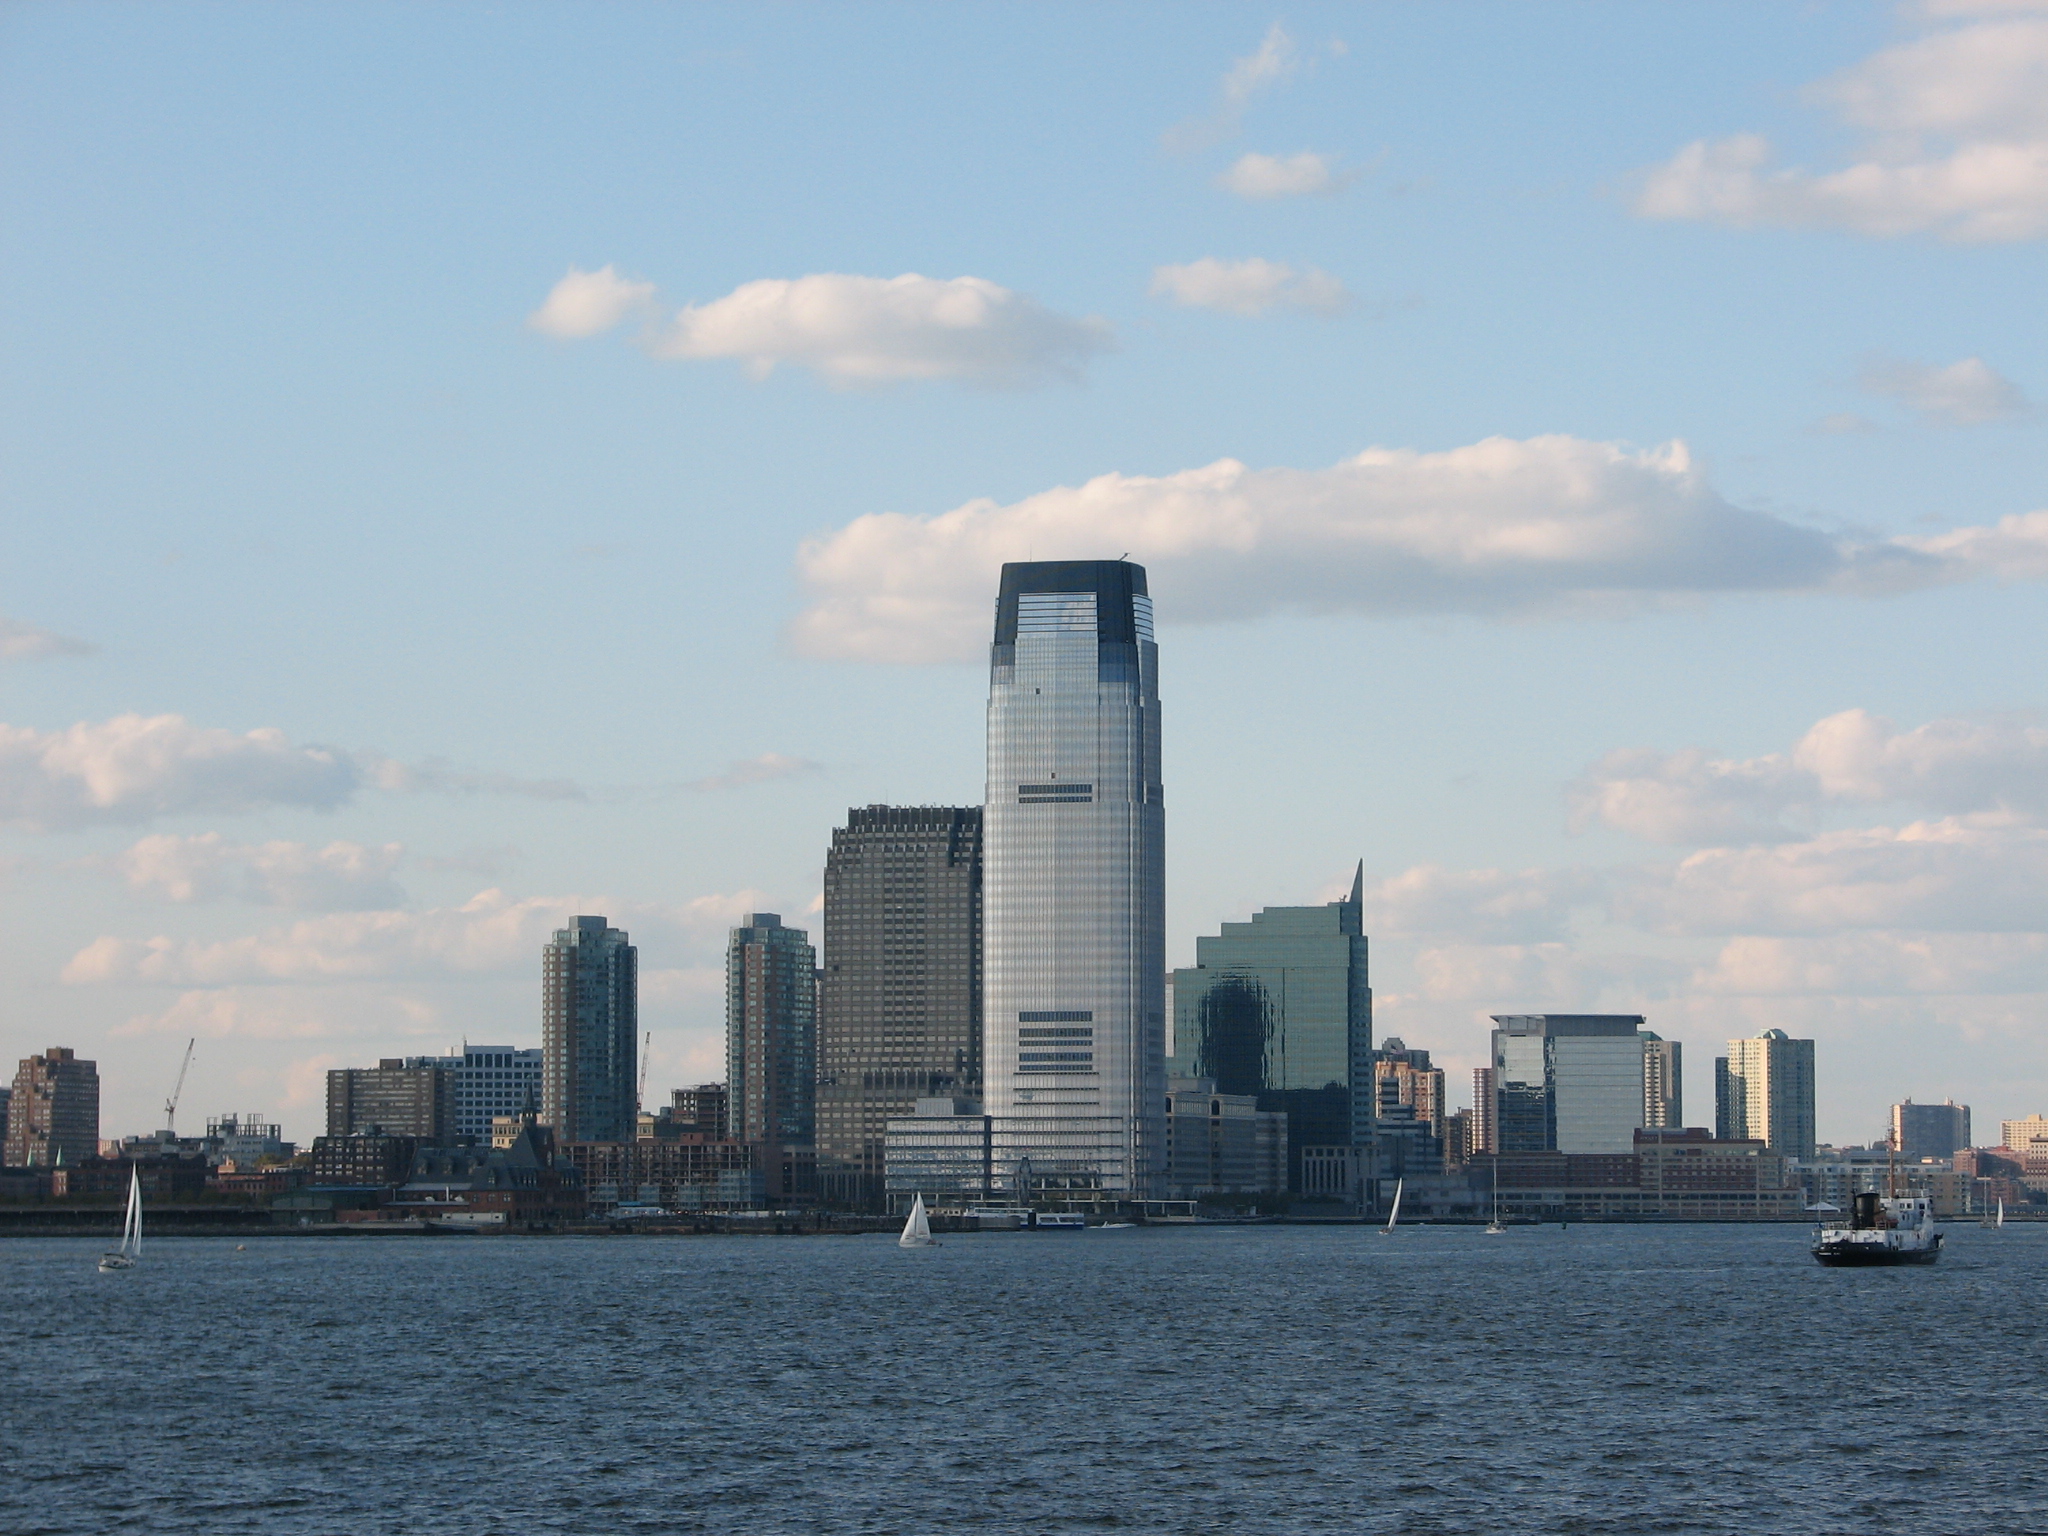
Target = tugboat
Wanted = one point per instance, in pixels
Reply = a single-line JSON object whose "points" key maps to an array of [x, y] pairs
{"points": [[1882, 1229]]}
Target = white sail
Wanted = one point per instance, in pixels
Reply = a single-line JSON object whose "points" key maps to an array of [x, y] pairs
{"points": [[131, 1230], [2001, 1212], [1394, 1214], [917, 1231]]}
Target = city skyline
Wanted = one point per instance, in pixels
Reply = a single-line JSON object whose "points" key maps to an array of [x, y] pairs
{"points": [[1617, 530]]}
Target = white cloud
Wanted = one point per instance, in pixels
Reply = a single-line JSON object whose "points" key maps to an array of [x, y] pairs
{"points": [[1249, 287], [1879, 964], [1271, 62], [1501, 527], [25, 642], [340, 876], [588, 303], [1481, 906], [1957, 125], [756, 770], [859, 330], [438, 776], [1950, 766], [492, 932], [1963, 394], [1518, 978], [1269, 176]]}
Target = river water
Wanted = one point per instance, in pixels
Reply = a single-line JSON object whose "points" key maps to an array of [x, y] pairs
{"points": [[1629, 1380]]}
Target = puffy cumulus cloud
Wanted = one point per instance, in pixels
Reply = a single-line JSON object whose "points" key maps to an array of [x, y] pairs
{"points": [[135, 767], [589, 303], [1532, 978], [25, 642], [853, 330], [1264, 177], [1983, 874], [1879, 964], [1484, 906], [492, 932], [764, 769], [1952, 766], [1960, 395], [1957, 146], [340, 876], [1249, 287], [1501, 527]]}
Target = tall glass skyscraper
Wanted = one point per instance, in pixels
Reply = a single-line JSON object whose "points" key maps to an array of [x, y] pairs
{"points": [[1281, 1007], [1568, 1082], [590, 1033], [771, 1032], [1074, 888], [1767, 1093]]}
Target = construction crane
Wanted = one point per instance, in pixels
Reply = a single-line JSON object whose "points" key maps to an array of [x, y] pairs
{"points": [[177, 1092], [640, 1098]]}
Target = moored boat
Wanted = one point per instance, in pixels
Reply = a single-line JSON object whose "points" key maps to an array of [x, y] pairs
{"points": [[1881, 1230]]}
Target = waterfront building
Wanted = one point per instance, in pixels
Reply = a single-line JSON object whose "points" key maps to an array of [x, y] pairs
{"points": [[1485, 1133], [53, 1113], [1769, 1093], [1930, 1130], [899, 999], [1836, 1175], [1281, 1008], [771, 1032], [1669, 1173], [1074, 883], [1663, 1085], [1568, 1082], [363, 1158], [1221, 1144], [590, 1033], [944, 1150], [486, 1082], [393, 1098]]}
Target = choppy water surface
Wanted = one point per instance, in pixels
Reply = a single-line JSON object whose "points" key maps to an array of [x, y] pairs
{"points": [[1601, 1379]]}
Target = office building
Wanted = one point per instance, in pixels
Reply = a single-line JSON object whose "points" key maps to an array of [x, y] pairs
{"points": [[1663, 1085], [1280, 1008], [943, 1150], [2017, 1135], [590, 1033], [6, 1098], [1568, 1082], [1405, 1077], [53, 1113], [487, 1082], [1768, 1093], [1074, 883], [394, 1099], [1221, 1144], [771, 1032], [1930, 1130], [363, 1157], [1485, 1133], [245, 1140], [899, 995]]}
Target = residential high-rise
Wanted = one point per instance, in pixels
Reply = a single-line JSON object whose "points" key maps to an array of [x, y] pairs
{"points": [[899, 998], [771, 1032], [1770, 1093], [1724, 1101], [1568, 1082], [53, 1113], [487, 1082], [397, 1097], [2020, 1135], [1930, 1130], [1280, 1007], [590, 1033], [1074, 888], [1485, 1136], [1408, 1110], [1663, 1086]]}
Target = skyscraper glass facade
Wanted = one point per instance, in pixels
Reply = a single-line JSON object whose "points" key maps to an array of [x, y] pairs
{"points": [[590, 1033], [771, 1032], [1280, 1007], [1567, 1082], [1074, 883], [899, 1001], [489, 1081]]}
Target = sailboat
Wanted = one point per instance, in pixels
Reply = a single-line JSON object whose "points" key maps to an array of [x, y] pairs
{"points": [[1994, 1221], [1494, 1225], [917, 1231], [1394, 1214], [130, 1250]]}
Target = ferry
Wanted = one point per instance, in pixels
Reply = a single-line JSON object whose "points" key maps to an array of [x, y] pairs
{"points": [[1882, 1230]]}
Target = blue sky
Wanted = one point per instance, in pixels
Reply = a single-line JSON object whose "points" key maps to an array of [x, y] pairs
{"points": [[374, 597]]}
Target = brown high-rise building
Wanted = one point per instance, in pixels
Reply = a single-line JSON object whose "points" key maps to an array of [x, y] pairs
{"points": [[392, 1099], [900, 999], [53, 1114]]}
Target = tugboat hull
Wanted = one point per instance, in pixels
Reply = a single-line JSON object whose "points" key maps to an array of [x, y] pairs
{"points": [[1873, 1255]]}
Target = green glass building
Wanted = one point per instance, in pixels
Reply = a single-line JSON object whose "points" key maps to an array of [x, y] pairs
{"points": [[1281, 1007]]}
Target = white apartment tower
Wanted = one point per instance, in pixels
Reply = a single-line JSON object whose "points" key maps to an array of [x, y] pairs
{"points": [[1074, 886]]}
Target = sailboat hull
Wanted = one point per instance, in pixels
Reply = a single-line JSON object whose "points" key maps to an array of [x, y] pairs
{"points": [[113, 1261]]}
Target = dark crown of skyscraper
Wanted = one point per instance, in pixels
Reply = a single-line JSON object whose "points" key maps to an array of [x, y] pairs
{"points": [[1114, 583]]}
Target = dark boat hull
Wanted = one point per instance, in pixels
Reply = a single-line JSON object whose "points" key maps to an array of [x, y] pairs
{"points": [[1870, 1256]]}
